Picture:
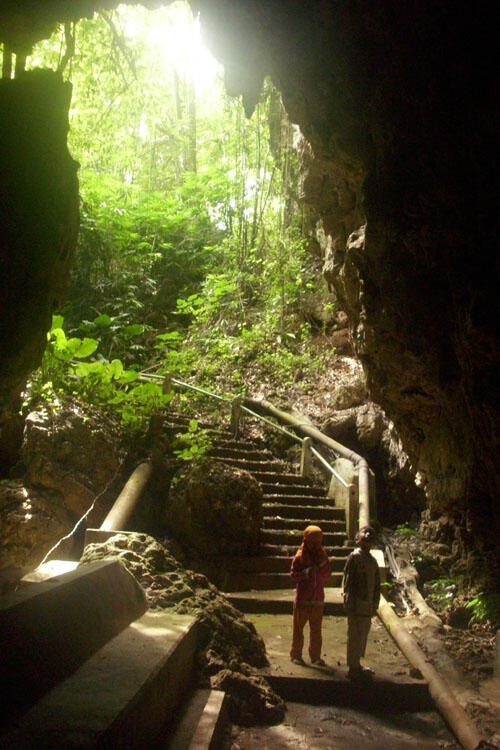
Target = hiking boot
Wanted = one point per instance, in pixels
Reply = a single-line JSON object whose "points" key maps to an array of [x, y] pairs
{"points": [[319, 662], [298, 660]]}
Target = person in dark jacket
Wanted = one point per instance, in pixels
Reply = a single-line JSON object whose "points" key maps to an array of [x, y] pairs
{"points": [[361, 586], [310, 569]]}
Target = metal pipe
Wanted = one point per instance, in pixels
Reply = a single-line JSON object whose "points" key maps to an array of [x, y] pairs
{"points": [[363, 493], [328, 467], [154, 376], [304, 427], [341, 450], [463, 728], [120, 513], [278, 427]]}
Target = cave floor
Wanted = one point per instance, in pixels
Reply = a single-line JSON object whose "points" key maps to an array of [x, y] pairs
{"points": [[382, 655], [308, 727], [327, 724]]}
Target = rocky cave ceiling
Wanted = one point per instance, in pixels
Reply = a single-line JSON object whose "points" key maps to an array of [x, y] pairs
{"points": [[397, 103]]}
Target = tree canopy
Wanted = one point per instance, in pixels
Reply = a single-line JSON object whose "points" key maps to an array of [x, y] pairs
{"points": [[192, 255]]}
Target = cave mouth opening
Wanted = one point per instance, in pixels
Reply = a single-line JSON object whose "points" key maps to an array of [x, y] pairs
{"points": [[190, 218]]}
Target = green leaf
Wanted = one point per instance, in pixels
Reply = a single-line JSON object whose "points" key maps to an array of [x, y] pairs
{"points": [[116, 368], [85, 348], [102, 320], [127, 376], [59, 339], [169, 336], [135, 329]]}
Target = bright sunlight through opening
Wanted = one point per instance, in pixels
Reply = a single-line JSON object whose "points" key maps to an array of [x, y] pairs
{"points": [[174, 37]]}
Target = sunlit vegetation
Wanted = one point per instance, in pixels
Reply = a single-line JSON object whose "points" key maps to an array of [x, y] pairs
{"points": [[191, 257]]}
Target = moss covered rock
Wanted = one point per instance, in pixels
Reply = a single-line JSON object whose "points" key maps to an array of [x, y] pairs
{"points": [[214, 509], [229, 642]]}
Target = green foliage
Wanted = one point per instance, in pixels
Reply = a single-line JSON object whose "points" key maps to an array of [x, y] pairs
{"points": [[194, 443], [190, 256], [101, 382], [440, 591], [389, 589], [485, 607], [422, 560], [405, 529], [137, 253]]}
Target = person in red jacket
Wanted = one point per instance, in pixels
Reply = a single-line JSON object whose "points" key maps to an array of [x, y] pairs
{"points": [[310, 569]]}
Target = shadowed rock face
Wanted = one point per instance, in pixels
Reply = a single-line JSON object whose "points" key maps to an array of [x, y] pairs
{"points": [[38, 222], [396, 105]]}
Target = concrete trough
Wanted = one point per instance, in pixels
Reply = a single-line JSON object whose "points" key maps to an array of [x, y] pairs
{"points": [[203, 724], [123, 697], [48, 629]]}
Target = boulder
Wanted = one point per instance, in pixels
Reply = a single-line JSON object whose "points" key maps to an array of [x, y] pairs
{"points": [[229, 643], [214, 509]]}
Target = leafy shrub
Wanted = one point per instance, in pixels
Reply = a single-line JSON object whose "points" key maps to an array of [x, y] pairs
{"points": [[98, 382], [192, 444], [485, 607], [440, 591], [405, 529]]}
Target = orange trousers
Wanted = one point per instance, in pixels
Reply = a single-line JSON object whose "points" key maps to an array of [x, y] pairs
{"points": [[302, 614]]}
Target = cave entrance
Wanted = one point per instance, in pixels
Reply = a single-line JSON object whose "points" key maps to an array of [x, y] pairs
{"points": [[189, 206]]}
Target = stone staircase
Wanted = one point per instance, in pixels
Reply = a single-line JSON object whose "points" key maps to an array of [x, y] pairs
{"points": [[291, 502], [133, 670]]}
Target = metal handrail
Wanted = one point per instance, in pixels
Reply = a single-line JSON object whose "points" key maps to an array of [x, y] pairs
{"points": [[152, 376], [328, 466], [278, 427], [309, 430]]}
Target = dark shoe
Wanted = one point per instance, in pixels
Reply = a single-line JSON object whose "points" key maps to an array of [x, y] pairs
{"points": [[298, 660], [360, 673], [318, 662]]}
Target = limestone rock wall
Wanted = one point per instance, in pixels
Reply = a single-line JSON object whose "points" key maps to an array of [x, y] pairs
{"points": [[38, 220], [397, 103]]}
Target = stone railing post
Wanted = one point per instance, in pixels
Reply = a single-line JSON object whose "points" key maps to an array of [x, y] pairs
{"points": [[166, 385], [236, 416], [306, 458]]}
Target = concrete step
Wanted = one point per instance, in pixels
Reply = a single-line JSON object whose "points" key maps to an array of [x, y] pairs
{"points": [[249, 454], [268, 581], [280, 601], [401, 695], [391, 690], [237, 444], [294, 536], [285, 490], [309, 512], [283, 498], [327, 525], [289, 550], [203, 723], [120, 698], [48, 629], [266, 477], [181, 421], [277, 564], [272, 465]]}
